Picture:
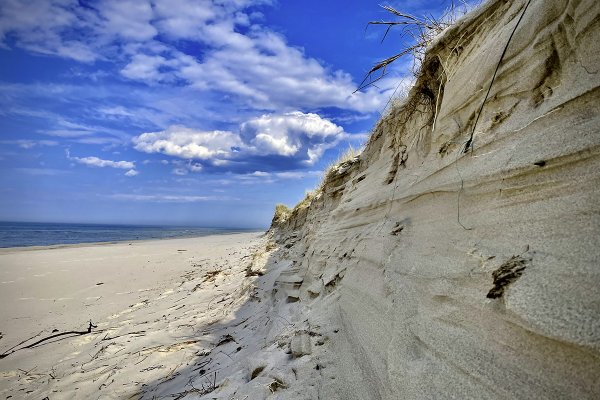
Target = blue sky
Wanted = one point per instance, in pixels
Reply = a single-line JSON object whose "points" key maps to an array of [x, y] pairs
{"points": [[183, 112]]}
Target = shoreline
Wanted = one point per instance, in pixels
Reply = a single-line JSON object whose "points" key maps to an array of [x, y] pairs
{"points": [[17, 249]]}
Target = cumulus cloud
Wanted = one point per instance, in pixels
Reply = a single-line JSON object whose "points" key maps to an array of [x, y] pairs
{"points": [[188, 143], [295, 136], [237, 69], [291, 134], [131, 172]]}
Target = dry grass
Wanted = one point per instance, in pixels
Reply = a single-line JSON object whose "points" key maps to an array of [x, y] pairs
{"points": [[305, 202], [270, 245], [422, 31], [347, 156], [282, 212]]}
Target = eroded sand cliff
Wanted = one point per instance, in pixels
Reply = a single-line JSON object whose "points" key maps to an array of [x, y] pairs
{"points": [[449, 268]]}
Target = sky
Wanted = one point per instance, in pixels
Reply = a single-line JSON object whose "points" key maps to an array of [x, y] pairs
{"points": [[184, 112]]}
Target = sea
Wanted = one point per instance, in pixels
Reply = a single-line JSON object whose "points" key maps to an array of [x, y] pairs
{"points": [[20, 234]]}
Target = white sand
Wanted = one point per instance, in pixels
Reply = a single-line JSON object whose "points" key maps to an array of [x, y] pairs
{"points": [[161, 305], [175, 319]]}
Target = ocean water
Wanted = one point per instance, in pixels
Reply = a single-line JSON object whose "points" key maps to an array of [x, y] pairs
{"points": [[18, 234]]}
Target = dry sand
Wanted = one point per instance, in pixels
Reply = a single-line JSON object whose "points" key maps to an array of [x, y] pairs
{"points": [[211, 317], [163, 310]]}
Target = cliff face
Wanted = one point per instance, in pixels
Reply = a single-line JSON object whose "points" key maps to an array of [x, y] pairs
{"points": [[444, 267]]}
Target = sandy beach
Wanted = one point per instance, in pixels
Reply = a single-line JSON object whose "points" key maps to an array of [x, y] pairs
{"points": [[216, 317], [454, 256], [159, 308]]}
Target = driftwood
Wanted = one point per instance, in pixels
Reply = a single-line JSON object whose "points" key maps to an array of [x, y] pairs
{"points": [[29, 346], [7, 352]]}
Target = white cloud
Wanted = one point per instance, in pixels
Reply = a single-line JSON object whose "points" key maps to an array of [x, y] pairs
{"points": [[261, 69], [128, 19], [302, 137], [67, 133], [43, 26], [131, 172], [194, 167], [260, 173], [151, 68], [180, 171], [291, 133], [100, 163], [285, 175], [266, 144], [109, 141], [180, 19], [220, 163], [161, 198], [42, 171], [297, 174], [84, 133], [188, 143], [265, 178], [29, 144]]}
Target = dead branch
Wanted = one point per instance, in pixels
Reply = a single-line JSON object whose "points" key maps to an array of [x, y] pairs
{"points": [[7, 352], [29, 346], [140, 333]]}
